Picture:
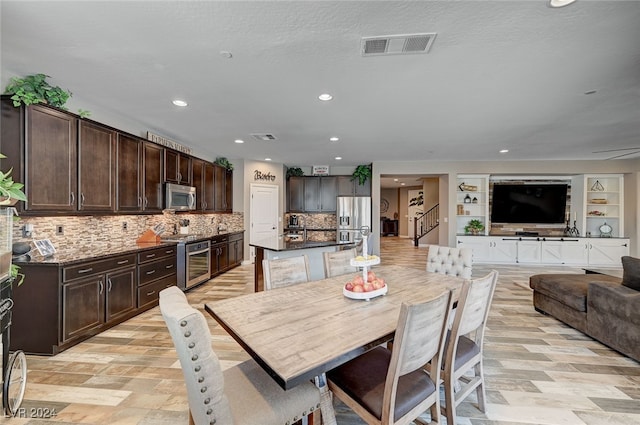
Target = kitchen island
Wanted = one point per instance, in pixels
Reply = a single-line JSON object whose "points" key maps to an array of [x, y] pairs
{"points": [[312, 249]]}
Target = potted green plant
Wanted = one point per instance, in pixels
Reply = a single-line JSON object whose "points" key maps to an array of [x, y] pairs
{"points": [[361, 174], [223, 162], [35, 89], [10, 193], [474, 227], [294, 172]]}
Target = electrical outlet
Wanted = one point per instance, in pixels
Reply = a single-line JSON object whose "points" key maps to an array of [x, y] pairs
{"points": [[124, 225], [59, 229]]}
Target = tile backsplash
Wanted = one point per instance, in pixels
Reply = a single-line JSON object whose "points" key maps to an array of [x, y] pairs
{"points": [[81, 233]]}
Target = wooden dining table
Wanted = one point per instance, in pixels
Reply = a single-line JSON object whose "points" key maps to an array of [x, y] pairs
{"points": [[300, 332]]}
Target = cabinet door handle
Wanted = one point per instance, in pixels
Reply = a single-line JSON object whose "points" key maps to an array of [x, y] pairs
{"points": [[109, 285], [123, 262], [101, 286], [179, 176], [139, 201], [73, 198], [150, 272], [90, 269], [150, 293], [82, 199], [151, 255], [146, 202], [169, 251], [168, 266]]}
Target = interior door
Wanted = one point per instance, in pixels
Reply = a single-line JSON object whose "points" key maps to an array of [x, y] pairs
{"points": [[264, 215], [415, 208]]}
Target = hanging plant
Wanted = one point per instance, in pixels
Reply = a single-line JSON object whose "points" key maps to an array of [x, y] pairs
{"points": [[294, 172], [223, 162], [362, 173]]}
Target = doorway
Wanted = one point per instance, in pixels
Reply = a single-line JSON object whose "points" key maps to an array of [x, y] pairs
{"points": [[264, 213]]}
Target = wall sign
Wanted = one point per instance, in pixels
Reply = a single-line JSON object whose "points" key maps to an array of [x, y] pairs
{"points": [[320, 170], [167, 143], [259, 175]]}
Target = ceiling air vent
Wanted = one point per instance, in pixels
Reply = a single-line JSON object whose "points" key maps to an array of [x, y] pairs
{"points": [[405, 44], [264, 137]]}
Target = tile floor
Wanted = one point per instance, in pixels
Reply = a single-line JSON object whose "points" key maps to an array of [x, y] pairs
{"points": [[538, 370]]}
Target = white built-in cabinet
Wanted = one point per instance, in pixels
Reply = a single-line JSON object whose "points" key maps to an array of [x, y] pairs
{"points": [[472, 201], [603, 203], [593, 252]]}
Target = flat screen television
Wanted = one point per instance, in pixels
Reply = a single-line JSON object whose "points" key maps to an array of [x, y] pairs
{"points": [[529, 203]]}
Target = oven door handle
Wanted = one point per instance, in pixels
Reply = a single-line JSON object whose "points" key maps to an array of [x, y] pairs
{"points": [[199, 252]]}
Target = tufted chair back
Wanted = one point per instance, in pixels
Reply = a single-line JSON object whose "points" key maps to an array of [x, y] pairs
{"points": [[451, 261], [200, 365]]}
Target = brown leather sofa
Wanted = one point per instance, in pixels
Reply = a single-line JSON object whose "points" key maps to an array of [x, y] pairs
{"points": [[595, 304]]}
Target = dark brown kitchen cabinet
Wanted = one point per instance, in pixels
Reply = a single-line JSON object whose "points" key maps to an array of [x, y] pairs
{"points": [[139, 175], [223, 189], [96, 293], [236, 249], [219, 256], [50, 160], [96, 167], [156, 271], [203, 181], [177, 167], [152, 177], [295, 194]]}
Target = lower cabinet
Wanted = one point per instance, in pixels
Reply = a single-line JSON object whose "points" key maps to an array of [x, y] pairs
{"points": [[236, 249], [59, 305], [227, 252], [602, 252], [156, 271]]}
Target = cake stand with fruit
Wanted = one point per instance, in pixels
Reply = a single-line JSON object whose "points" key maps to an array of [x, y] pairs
{"points": [[366, 285]]}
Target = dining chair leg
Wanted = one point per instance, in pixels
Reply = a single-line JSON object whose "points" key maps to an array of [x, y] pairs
{"points": [[480, 392], [449, 396]]}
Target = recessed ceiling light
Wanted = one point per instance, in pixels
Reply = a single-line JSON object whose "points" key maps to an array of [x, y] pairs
{"points": [[504, 150], [590, 92], [334, 139], [401, 184], [179, 102], [226, 54], [560, 3], [239, 141], [325, 97], [395, 180], [267, 159], [338, 158]]}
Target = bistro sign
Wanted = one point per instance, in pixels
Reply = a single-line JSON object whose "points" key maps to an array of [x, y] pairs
{"points": [[167, 143], [259, 175]]}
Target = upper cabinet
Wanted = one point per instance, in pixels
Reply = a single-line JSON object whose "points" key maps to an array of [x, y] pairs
{"points": [[312, 193], [223, 189], [203, 181], [472, 201], [73, 165], [51, 184], [177, 167], [604, 205], [96, 185], [348, 186]]}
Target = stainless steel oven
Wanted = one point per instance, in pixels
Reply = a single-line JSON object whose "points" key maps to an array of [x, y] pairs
{"points": [[194, 260], [197, 263]]}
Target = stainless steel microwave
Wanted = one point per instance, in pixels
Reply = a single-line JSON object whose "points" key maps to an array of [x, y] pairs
{"points": [[179, 197]]}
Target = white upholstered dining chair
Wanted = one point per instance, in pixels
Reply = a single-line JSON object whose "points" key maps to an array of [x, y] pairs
{"points": [[339, 262], [283, 272], [450, 261], [387, 387], [241, 395], [462, 370]]}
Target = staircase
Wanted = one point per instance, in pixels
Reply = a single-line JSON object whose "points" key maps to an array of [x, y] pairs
{"points": [[425, 223]]}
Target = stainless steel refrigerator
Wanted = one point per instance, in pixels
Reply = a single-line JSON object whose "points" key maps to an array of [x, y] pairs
{"points": [[353, 212]]}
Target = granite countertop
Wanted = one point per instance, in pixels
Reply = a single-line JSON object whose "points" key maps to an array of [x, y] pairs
{"points": [[104, 250], [291, 246]]}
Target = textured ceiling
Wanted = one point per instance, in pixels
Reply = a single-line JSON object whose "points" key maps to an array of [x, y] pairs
{"points": [[500, 75]]}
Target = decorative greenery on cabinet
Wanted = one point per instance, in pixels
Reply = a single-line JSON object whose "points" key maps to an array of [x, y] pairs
{"points": [[294, 172], [362, 173], [223, 162]]}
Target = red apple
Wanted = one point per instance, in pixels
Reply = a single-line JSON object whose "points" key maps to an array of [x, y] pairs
{"points": [[358, 288], [358, 280], [370, 276], [368, 287], [377, 284], [382, 283], [348, 286]]}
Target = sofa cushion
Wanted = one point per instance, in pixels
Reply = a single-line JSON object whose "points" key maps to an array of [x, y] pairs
{"points": [[631, 272], [568, 289]]}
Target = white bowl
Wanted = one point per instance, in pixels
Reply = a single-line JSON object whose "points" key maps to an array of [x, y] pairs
{"points": [[364, 295]]}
